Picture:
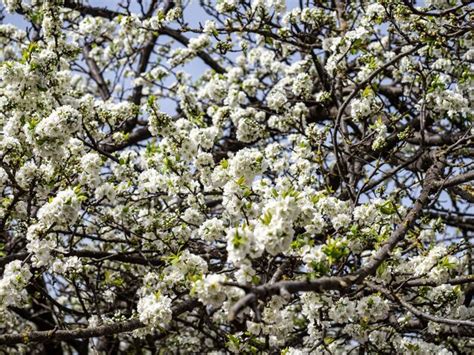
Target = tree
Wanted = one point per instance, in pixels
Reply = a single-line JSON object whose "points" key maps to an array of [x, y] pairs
{"points": [[236, 176]]}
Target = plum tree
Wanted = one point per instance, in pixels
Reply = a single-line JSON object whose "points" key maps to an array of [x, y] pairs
{"points": [[235, 176]]}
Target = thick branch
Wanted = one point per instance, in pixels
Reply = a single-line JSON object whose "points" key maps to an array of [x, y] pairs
{"points": [[108, 329], [135, 137], [417, 312], [96, 75], [93, 254], [466, 194], [458, 179], [423, 282], [433, 14], [454, 220]]}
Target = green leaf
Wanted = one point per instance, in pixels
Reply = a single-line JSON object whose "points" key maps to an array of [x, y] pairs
{"points": [[240, 181], [267, 218], [151, 100], [26, 54], [237, 240], [388, 208], [233, 339], [274, 193], [335, 250], [367, 92], [224, 163]]}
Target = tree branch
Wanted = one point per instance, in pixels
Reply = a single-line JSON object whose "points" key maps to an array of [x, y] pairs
{"points": [[103, 330], [417, 312], [93, 254]]}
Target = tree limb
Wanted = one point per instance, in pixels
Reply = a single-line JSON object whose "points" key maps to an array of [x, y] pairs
{"points": [[108, 329]]}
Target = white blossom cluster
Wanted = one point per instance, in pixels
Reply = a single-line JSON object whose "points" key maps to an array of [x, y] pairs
{"points": [[155, 310], [136, 190], [12, 284]]}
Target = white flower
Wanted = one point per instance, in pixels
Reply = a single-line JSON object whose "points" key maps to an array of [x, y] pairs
{"points": [[199, 43], [105, 191], [210, 290], [314, 255], [193, 216], [191, 264], [276, 99], [174, 13], [91, 164], [248, 124], [41, 246], [373, 307], [204, 137], [61, 266], [12, 284], [275, 228], [341, 221], [366, 214], [155, 310], [63, 121], [109, 296], [241, 243], [361, 108], [343, 310], [150, 181], [330, 44], [302, 85], [11, 5], [212, 229], [226, 5], [214, 89], [251, 85], [209, 27], [451, 101], [247, 163], [381, 135], [62, 209], [423, 264], [374, 11], [332, 207]]}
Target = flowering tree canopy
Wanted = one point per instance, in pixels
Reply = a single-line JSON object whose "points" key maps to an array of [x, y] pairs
{"points": [[265, 176]]}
